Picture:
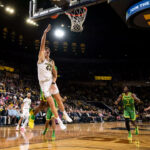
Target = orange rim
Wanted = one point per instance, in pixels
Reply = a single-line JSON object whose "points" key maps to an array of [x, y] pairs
{"points": [[78, 14]]}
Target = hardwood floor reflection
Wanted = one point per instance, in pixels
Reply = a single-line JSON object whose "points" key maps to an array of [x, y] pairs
{"points": [[98, 136]]}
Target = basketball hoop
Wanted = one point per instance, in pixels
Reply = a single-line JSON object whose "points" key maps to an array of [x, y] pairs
{"points": [[77, 17]]}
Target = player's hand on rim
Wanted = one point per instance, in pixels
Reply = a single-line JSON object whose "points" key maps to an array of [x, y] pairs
{"points": [[48, 28]]}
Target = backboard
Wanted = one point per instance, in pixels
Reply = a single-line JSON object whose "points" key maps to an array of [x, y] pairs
{"points": [[40, 10]]}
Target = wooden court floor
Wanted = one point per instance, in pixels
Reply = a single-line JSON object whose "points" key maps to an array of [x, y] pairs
{"points": [[98, 136]]}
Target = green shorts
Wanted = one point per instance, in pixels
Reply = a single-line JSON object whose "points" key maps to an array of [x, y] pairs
{"points": [[49, 114], [130, 114], [43, 99]]}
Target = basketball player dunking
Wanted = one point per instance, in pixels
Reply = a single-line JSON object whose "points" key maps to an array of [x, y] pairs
{"points": [[47, 76]]}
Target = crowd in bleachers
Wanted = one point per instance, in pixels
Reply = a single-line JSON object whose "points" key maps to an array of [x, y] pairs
{"points": [[79, 104], [13, 91]]}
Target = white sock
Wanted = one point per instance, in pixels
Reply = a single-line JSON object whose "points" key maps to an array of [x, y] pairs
{"points": [[64, 112], [58, 119]]}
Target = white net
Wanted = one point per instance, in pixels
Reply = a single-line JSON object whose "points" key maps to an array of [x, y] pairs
{"points": [[77, 17]]}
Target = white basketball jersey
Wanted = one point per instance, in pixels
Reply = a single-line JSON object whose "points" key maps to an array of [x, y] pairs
{"points": [[27, 103], [45, 70]]}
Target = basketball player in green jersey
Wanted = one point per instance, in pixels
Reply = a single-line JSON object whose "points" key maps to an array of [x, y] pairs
{"points": [[128, 100], [49, 117]]}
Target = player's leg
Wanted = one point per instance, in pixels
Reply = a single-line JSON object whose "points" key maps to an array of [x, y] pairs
{"points": [[127, 123], [45, 87], [39, 108], [61, 106], [58, 98], [47, 93], [26, 121], [33, 112], [46, 127], [19, 123], [133, 121], [136, 127], [48, 118], [25, 124], [54, 111], [53, 128]]}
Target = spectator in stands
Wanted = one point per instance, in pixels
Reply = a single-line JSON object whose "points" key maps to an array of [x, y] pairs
{"points": [[3, 116]]}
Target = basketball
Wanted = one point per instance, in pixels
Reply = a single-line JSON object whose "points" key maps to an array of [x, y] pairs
{"points": [[54, 16]]}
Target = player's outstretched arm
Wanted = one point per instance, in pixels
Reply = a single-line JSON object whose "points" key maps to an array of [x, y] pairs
{"points": [[136, 98], [42, 47], [146, 109], [118, 100]]}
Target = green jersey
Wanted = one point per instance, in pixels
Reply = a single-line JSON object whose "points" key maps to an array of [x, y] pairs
{"points": [[128, 101], [49, 113]]}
